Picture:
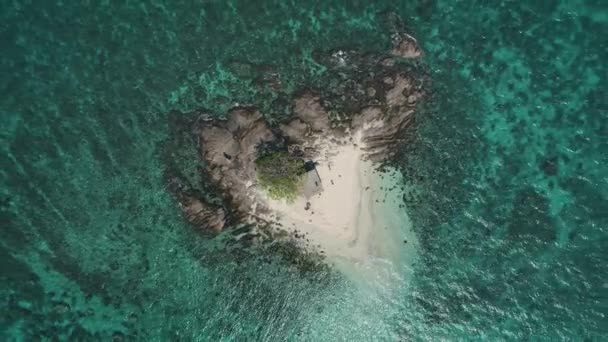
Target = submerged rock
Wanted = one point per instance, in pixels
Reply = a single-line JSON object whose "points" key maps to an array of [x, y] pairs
{"points": [[550, 166]]}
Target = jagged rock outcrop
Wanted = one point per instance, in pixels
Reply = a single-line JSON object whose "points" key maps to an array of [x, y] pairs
{"points": [[405, 46], [208, 217], [229, 148]]}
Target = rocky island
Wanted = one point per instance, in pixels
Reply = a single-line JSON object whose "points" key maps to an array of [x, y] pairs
{"points": [[315, 176]]}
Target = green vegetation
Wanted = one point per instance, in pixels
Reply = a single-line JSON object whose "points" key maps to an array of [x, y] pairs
{"points": [[280, 174]]}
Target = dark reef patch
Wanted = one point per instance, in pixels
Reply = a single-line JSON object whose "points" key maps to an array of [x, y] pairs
{"points": [[530, 218]]}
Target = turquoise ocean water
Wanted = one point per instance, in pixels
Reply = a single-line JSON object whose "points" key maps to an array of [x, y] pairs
{"points": [[509, 156]]}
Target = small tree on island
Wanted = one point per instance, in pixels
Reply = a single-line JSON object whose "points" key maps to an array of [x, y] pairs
{"points": [[280, 175]]}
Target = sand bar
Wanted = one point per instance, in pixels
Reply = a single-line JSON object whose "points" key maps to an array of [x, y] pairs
{"points": [[351, 216]]}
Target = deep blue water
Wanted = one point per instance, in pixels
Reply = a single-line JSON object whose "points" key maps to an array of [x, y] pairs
{"points": [[509, 156]]}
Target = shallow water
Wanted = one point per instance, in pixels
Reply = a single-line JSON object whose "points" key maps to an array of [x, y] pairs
{"points": [[508, 162]]}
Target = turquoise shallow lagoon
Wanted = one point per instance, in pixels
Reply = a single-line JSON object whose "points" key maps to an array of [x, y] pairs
{"points": [[509, 160]]}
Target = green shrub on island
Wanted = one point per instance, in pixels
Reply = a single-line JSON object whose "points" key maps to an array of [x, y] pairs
{"points": [[280, 175]]}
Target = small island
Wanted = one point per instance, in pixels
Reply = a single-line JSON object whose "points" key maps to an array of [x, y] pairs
{"points": [[315, 176]]}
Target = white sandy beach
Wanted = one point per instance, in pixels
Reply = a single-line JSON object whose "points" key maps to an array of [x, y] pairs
{"points": [[352, 216]]}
